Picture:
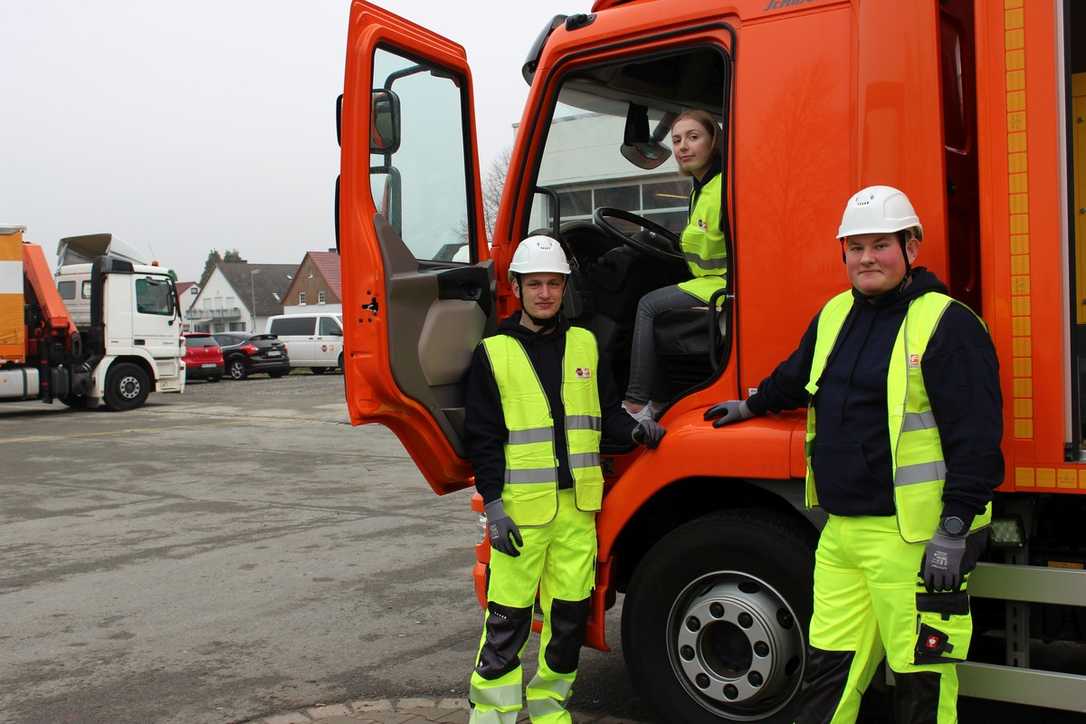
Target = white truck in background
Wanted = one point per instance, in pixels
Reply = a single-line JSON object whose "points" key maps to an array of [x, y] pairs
{"points": [[104, 329]]}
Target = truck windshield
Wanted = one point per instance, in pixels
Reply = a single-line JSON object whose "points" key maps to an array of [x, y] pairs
{"points": [[584, 162]]}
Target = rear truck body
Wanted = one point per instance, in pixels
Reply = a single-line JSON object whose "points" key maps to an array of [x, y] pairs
{"points": [[975, 109], [126, 345]]}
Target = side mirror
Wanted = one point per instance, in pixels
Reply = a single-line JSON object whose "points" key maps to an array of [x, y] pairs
{"points": [[384, 121], [638, 147]]}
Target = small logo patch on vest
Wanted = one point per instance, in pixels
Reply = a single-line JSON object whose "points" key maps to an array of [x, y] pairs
{"points": [[702, 225], [914, 360], [583, 373]]}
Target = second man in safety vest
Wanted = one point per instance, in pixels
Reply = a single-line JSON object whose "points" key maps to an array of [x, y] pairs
{"points": [[538, 401], [904, 424]]}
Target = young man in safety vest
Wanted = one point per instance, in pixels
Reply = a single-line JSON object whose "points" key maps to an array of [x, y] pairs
{"points": [[538, 399], [903, 429]]}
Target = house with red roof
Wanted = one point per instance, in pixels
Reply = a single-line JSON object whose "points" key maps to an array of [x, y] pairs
{"points": [[316, 285]]}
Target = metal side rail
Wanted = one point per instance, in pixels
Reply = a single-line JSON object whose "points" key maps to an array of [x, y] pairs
{"points": [[1018, 584]]}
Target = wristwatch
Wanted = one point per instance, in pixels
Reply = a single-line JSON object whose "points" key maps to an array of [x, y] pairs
{"points": [[952, 525]]}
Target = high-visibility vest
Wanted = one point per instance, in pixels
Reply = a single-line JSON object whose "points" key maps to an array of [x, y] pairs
{"points": [[916, 451], [702, 243], [530, 493]]}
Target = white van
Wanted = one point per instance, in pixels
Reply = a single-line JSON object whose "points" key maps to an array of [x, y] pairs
{"points": [[313, 340]]}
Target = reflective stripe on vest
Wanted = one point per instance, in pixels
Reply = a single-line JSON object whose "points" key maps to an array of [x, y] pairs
{"points": [[531, 471], [702, 243], [919, 469]]}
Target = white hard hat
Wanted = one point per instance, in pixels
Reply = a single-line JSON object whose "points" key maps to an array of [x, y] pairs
{"points": [[539, 254], [878, 210]]}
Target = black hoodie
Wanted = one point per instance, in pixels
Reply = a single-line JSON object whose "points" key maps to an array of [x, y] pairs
{"points": [[484, 422], [851, 455]]}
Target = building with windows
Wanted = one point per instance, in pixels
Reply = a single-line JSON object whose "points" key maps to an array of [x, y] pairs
{"points": [[187, 292], [584, 165], [316, 285], [239, 297]]}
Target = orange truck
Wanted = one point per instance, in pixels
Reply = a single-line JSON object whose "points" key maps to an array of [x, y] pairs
{"points": [[977, 109], [107, 331]]}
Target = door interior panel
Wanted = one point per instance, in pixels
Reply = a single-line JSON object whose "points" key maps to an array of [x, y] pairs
{"points": [[436, 317]]}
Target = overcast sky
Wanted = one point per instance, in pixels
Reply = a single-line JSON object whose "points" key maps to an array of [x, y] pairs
{"points": [[210, 124]]}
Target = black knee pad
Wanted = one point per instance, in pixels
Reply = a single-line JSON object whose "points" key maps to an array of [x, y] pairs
{"points": [[823, 684], [916, 697], [507, 629], [568, 621]]}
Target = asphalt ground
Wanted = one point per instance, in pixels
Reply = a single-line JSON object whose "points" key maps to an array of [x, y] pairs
{"points": [[241, 552]]}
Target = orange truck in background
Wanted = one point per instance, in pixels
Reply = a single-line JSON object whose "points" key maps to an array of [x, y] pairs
{"points": [[977, 109]]}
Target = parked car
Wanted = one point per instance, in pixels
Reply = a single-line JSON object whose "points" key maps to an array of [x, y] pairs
{"points": [[203, 357], [247, 354], [315, 340]]}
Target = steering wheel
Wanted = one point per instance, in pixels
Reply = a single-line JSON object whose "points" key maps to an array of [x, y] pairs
{"points": [[661, 243]]}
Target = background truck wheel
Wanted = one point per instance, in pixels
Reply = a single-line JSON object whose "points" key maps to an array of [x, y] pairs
{"points": [[127, 387], [236, 369], [714, 624], [318, 370]]}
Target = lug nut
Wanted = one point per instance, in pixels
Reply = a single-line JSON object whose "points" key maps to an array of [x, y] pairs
{"points": [[754, 678], [730, 692], [687, 652], [693, 623], [702, 681], [716, 610], [761, 648], [746, 620]]}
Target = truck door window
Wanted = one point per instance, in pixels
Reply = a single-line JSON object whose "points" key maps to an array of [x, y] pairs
{"points": [[153, 297], [85, 292], [66, 289], [421, 188]]}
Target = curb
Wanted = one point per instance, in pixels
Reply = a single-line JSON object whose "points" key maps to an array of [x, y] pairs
{"points": [[408, 710]]}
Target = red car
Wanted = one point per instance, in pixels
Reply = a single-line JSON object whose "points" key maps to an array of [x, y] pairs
{"points": [[203, 357]]}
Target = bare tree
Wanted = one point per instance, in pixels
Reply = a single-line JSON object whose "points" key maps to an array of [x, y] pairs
{"points": [[493, 183]]}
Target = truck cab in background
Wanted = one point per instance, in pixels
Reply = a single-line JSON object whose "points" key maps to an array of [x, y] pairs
{"points": [[707, 537], [105, 331]]}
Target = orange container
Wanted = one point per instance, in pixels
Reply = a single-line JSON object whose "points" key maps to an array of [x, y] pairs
{"points": [[12, 324]]}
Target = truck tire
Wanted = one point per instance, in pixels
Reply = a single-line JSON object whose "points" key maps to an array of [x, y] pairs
{"points": [[714, 623], [127, 387], [236, 369]]}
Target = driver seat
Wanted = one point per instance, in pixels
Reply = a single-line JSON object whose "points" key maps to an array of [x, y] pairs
{"points": [[689, 348]]}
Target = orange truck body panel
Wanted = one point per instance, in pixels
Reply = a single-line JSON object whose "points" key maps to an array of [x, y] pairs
{"points": [[824, 102], [12, 324]]}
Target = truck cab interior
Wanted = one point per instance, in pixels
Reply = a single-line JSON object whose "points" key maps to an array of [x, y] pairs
{"points": [[605, 184]]}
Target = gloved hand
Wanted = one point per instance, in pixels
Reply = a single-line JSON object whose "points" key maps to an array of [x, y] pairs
{"points": [[501, 529], [648, 433], [942, 567], [728, 412]]}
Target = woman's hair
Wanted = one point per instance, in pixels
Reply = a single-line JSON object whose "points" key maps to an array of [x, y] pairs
{"points": [[707, 122]]}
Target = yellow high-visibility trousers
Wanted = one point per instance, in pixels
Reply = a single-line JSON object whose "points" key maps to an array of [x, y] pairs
{"points": [[869, 602], [558, 560]]}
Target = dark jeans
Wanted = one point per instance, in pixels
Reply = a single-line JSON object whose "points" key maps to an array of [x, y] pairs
{"points": [[643, 354]]}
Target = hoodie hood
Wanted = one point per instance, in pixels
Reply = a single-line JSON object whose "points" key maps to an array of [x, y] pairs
{"points": [[919, 281], [511, 325]]}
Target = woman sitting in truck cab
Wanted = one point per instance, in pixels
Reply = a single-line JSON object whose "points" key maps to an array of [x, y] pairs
{"points": [[696, 143]]}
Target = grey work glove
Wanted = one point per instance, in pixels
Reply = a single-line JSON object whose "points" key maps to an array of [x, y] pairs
{"points": [[725, 413], [942, 567], [648, 433], [501, 529]]}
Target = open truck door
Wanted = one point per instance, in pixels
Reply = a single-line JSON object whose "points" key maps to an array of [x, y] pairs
{"points": [[417, 280]]}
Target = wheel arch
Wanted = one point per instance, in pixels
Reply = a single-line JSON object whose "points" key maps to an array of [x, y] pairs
{"points": [[687, 499], [101, 372]]}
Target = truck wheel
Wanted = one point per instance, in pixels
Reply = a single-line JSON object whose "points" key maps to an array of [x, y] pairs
{"points": [[715, 618], [236, 369], [127, 387]]}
